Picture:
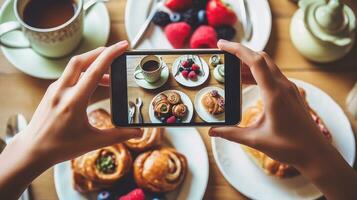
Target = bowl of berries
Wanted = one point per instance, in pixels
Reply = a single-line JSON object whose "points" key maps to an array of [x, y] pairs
{"points": [[190, 70], [197, 23]]}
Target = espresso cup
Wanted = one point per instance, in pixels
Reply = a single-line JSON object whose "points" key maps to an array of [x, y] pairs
{"points": [[150, 75], [53, 42]]}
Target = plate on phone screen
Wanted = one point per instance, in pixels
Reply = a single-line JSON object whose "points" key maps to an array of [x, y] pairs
{"points": [[244, 175], [183, 139]]}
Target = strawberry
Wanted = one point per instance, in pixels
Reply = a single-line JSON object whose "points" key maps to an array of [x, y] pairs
{"points": [[137, 194], [192, 75], [171, 120], [195, 67], [219, 13], [185, 64], [185, 73], [204, 37], [178, 33], [178, 5]]}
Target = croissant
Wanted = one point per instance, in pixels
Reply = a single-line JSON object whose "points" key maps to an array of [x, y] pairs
{"points": [[160, 170], [213, 103], [100, 119], [179, 110], [152, 137], [173, 98], [100, 168]]}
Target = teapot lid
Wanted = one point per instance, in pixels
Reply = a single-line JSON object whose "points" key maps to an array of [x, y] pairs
{"points": [[329, 20]]}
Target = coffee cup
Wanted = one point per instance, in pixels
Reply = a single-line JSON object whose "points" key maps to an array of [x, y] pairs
{"points": [[53, 42], [150, 68]]}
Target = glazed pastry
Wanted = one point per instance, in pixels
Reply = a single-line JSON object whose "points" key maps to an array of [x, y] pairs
{"points": [[179, 110], [160, 170], [152, 137], [213, 102], [173, 98], [100, 119], [163, 108], [269, 165], [160, 98], [100, 168]]}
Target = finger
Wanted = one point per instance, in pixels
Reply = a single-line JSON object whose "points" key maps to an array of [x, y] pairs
{"points": [[112, 136], [247, 77], [77, 64], [235, 134], [105, 80], [272, 66], [91, 78], [254, 61]]}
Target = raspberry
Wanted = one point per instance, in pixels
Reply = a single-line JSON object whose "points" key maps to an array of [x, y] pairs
{"points": [[171, 120], [204, 37], [161, 18], [185, 73], [137, 194], [225, 32], [192, 75], [178, 33]]}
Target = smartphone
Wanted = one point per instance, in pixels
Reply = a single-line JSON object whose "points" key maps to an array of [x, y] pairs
{"points": [[153, 88]]}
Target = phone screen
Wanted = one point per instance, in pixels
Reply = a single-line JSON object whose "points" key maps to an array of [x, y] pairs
{"points": [[176, 89]]}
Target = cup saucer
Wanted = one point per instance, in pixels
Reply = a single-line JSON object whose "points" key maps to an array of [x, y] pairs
{"points": [[95, 34], [151, 86]]}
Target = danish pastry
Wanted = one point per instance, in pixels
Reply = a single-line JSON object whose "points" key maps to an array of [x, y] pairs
{"points": [[152, 137], [100, 119], [162, 108], [100, 168], [213, 102], [269, 165], [160, 170], [179, 110], [160, 98], [173, 98]]}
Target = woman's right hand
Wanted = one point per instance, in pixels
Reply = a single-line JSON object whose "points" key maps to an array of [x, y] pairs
{"points": [[286, 131]]}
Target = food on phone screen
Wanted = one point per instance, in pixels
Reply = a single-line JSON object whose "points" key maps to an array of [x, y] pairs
{"points": [[269, 165], [214, 60], [219, 74], [152, 137], [160, 170], [136, 194], [213, 102]]}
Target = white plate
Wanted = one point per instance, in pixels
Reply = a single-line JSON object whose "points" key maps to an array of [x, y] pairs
{"points": [[244, 175], [183, 139], [185, 100], [155, 38], [186, 81], [96, 33], [151, 86], [202, 112]]}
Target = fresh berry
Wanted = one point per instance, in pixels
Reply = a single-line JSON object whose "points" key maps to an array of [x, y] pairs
{"points": [[163, 119], [161, 18], [220, 13], [225, 32], [214, 93], [195, 67], [104, 195], [178, 5], [185, 64], [178, 120], [181, 69], [178, 33], [190, 16], [171, 120], [175, 17], [201, 17], [185, 73], [192, 75], [190, 62], [137, 194], [199, 4], [204, 37]]}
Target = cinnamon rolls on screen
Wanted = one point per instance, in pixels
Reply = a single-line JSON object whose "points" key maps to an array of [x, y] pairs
{"points": [[156, 169]]}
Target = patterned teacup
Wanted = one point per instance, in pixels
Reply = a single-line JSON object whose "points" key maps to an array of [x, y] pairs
{"points": [[50, 42], [150, 68]]}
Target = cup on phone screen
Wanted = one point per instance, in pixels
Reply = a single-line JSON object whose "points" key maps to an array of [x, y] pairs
{"points": [[150, 68]]}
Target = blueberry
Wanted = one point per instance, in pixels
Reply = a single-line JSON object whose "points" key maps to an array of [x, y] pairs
{"points": [[104, 195], [190, 16], [175, 17], [181, 69], [225, 32], [178, 120], [161, 18], [202, 18], [163, 119]]}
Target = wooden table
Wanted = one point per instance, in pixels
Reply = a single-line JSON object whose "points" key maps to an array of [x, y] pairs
{"points": [[20, 93]]}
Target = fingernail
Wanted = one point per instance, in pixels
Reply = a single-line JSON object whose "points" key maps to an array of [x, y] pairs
{"points": [[211, 133], [122, 43]]}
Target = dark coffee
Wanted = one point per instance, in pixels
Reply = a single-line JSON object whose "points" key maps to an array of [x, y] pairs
{"points": [[150, 66], [48, 13]]}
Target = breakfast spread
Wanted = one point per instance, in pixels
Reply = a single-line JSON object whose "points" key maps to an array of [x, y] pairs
{"points": [[213, 102], [269, 165], [156, 169], [190, 69], [197, 22]]}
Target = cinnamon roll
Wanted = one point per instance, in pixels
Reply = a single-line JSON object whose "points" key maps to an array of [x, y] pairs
{"points": [[173, 98], [179, 110], [162, 108], [100, 168], [100, 119], [160, 170], [213, 102], [152, 137], [160, 98]]}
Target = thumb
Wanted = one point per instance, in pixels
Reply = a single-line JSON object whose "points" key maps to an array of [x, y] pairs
{"points": [[112, 136], [244, 136]]}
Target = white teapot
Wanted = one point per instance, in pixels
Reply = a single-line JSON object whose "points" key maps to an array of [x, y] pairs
{"points": [[323, 30]]}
